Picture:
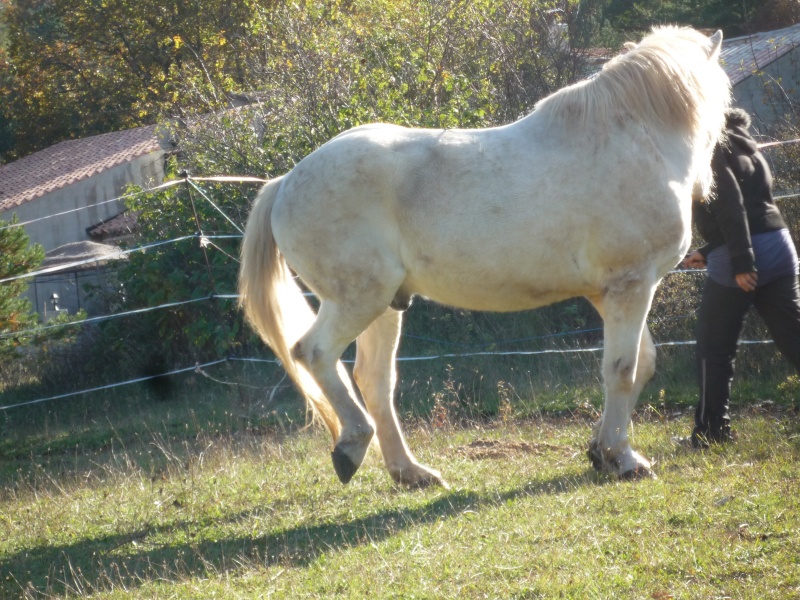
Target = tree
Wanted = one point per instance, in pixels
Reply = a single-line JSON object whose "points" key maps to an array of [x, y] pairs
{"points": [[81, 67], [637, 16], [17, 257], [197, 268]]}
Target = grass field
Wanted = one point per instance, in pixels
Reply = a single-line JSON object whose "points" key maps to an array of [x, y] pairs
{"points": [[186, 503]]}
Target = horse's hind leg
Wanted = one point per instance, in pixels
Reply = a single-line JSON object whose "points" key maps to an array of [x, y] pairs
{"points": [[375, 376], [319, 350], [628, 363]]}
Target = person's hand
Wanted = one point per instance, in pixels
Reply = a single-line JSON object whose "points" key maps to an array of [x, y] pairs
{"points": [[747, 281], [695, 260]]}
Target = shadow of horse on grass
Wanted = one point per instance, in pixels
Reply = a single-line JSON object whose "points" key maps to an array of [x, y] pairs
{"points": [[135, 558]]}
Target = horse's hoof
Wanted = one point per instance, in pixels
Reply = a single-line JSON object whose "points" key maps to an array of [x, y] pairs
{"points": [[349, 452], [596, 456], [418, 478], [345, 468], [637, 474], [627, 466]]}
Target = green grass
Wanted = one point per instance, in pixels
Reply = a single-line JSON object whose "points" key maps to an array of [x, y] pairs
{"points": [[217, 492], [231, 512]]}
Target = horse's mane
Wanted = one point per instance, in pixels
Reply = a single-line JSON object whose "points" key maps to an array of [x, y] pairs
{"points": [[666, 78]]}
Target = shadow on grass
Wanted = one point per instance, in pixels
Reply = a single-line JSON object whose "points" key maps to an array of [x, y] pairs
{"points": [[133, 559]]}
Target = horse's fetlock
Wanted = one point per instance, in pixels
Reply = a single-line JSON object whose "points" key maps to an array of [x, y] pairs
{"points": [[301, 355]]}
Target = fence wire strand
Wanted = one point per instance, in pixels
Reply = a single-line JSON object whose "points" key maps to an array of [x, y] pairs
{"points": [[111, 385]]}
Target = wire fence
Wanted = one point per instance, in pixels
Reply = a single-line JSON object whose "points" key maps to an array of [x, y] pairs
{"points": [[207, 241]]}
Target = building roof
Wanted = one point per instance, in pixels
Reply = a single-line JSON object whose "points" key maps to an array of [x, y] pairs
{"points": [[69, 162], [121, 224], [743, 56]]}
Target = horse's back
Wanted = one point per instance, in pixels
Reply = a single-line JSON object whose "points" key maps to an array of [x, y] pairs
{"points": [[498, 219]]}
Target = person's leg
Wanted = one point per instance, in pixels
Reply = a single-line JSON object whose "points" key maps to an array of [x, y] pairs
{"points": [[720, 317], [778, 303]]}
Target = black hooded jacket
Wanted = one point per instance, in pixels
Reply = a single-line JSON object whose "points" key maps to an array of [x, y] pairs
{"points": [[743, 203]]}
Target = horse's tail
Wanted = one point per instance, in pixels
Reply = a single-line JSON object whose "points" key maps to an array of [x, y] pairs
{"points": [[274, 304]]}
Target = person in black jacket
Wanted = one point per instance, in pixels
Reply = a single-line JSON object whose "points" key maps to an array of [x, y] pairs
{"points": [[750, 260]]}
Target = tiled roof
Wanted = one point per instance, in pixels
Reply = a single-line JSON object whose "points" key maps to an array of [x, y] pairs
{"points": [[743, 56], [120, 224], [68, 162]]}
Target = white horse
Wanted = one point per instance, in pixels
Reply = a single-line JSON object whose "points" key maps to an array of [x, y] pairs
{"points": [[589, 195]]}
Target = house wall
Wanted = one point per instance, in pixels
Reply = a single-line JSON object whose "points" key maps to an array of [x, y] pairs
{"points": [[77, 290], [768, 94], [71, 286], [51, 233]]}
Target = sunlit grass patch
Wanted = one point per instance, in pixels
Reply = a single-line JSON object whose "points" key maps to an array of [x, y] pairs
{"points": [[259, 515]]}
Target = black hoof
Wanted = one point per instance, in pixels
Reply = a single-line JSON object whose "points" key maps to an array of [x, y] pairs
{"points": [[595, 456], [637, 474], [344, 467]]}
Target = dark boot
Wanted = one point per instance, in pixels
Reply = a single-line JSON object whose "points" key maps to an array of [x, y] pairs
{"points": [[712, 422], [703, 437]]}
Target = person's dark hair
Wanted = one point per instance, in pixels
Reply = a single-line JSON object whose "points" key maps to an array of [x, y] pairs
{"points": [[736, 117]]}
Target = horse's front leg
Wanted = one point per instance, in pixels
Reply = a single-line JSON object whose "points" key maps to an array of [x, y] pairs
{"points": [[375, 376], [628, 363]]}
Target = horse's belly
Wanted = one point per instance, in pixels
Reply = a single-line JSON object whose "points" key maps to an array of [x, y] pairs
{"points": [[494, 294]]}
